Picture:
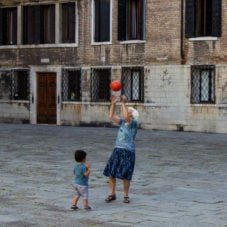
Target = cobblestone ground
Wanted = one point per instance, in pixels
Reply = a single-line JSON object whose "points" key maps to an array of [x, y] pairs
{"points": [[180, 178]]}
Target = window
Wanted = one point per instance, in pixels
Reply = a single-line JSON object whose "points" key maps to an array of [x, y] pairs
{"points": [[132, 83], [100, 84], [68, 23], [101, 23], [203, 84], [14, 85], [8, 26], [5, 85], [203, 18], [20, 85], [131, 17], [71, 84], [39, 24]]}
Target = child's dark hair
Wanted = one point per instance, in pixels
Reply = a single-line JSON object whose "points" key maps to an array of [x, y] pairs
{"points": [[80, 155]]}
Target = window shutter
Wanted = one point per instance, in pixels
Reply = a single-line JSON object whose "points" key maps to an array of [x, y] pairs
{"points": [[97, 20], [64, 20], [105, 21], [1, 26], [31, 25], [216, 18], [25, 25], [71, 23], [52, 24], [121, 20], [38, 20], [14, 26], [142, 19], [190, 19]]}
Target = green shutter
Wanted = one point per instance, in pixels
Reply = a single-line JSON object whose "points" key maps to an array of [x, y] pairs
{"points": [[190, 19], [105, 21], [121, 20], [14, 26], [1, 26], [142, 19], [71, 23], [216, 18], [97, 20]]}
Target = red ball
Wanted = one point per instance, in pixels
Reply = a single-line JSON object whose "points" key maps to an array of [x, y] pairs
{"points": [[115, 85]]}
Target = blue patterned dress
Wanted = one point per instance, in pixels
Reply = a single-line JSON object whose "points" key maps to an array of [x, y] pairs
{"points": [[122, 160]]}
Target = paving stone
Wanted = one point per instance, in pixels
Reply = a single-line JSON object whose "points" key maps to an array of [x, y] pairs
{"points": [[179, 178]]}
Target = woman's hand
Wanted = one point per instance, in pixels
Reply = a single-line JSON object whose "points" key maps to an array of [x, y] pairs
{"points": [[123, 98], [113, 99]]}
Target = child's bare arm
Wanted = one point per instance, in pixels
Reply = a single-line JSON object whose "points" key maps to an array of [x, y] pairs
{"points": [[87, 173]]}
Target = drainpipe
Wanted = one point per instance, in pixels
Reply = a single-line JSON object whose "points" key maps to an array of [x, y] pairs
{"points": [[182, 33]]}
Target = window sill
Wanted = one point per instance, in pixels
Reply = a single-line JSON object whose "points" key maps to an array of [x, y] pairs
{"points": [[14, 101], [203, 104], [207, 38], [39, 46], [132, 41], [100, 43]]}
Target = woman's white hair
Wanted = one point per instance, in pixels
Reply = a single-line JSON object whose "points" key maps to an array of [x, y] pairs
{"points": [[135, 113]]}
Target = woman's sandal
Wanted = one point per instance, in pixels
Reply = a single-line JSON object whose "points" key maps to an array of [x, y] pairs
{"points": [[110, 198], [126, 200]]}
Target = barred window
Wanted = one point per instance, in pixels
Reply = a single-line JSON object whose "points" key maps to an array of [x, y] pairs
{"points": [[5, 85], [203, 84], [132, 83], [100, 84], [71, 84], [14, 85], [20, 85]]}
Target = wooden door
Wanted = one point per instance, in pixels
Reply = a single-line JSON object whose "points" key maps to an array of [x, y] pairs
{"points": [[46, 103]]}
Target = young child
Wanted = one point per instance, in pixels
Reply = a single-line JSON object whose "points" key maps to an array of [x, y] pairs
{"points": [[81, 172]]}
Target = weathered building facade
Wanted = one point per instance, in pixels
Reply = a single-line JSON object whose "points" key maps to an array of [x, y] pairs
{"points": [[57, 59]]}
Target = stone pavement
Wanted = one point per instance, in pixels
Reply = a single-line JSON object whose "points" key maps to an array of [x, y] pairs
{"points": [[180, 178]]}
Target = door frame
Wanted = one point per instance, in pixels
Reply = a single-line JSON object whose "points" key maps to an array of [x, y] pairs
{"points": [[33, 91]]}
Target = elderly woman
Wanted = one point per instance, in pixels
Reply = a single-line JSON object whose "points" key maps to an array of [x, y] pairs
{"points": [[122, 160]]}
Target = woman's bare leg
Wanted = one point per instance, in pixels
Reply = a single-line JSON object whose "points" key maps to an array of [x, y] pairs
{"points": [[112, 185], [126, 185]]}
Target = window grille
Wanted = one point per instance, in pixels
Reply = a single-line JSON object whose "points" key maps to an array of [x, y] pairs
{"points": [[20, 85], [100, 84], [133, 83], [5, 85], [14, 85], [203, 84], [71, 84]]}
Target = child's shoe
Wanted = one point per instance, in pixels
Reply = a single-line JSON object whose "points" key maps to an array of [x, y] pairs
{"points": [[74, 207], [88, 208]]}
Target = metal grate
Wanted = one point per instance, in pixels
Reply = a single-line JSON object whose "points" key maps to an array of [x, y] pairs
{"points": [[203, 84], [20, 85], [100, 84], [5, 85], [133, 83], [71, 84]]}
